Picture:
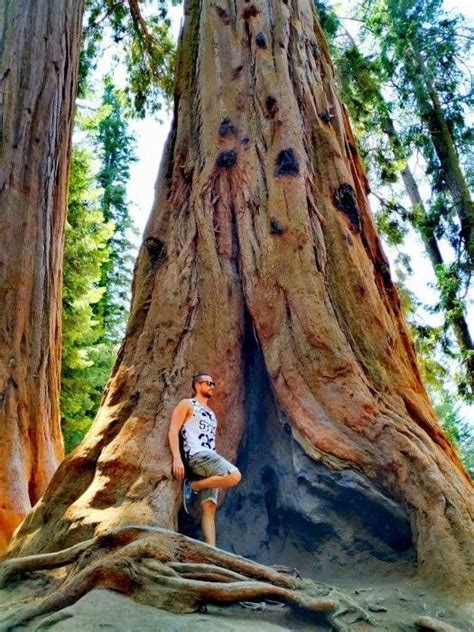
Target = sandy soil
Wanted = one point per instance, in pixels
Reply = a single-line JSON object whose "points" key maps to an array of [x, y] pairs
{"points": [[394, 606]]}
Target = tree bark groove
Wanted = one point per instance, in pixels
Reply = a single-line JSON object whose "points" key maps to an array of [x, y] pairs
{"points": [[261, 209], [39, 55]]}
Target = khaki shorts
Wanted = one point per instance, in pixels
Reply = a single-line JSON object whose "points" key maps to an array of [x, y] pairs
{"points": [[208, 463]]}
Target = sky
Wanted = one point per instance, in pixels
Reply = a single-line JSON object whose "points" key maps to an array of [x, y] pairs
{"points": [[151, 135]]}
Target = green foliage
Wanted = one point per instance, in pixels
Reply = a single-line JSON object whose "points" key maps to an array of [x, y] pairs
{"points": [[98, 261], [434, 371], [85, 253], [329, 21], [427, 340], [150, 63], [388, 100], [115, 147], [448, 285], [459, 431], [391, 221], [421, 53], [425, 337], [144, 43]]}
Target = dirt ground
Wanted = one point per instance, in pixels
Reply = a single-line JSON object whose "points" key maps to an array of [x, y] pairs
{"points": [[397, 606]]}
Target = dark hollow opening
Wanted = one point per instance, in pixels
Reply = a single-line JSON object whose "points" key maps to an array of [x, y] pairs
{"points": [[292, 510]]}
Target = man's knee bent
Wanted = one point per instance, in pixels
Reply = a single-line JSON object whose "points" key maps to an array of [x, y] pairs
{"points": [[234, 478]]}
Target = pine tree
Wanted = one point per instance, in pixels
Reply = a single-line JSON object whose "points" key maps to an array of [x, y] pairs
{"points": [[364, 82], [420, 49], [98, 262], [86, 251], [115, 145], [459, 431]]}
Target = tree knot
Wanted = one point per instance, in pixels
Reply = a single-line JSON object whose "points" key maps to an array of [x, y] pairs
{"points": [[275, 227], [286, 164], [344, 199], [156, 250], [315, 48], [222, 13], [250, 12], [271, 105], [383, 268], [326, 116], [260, 40], [227, 128], [226, 159]]}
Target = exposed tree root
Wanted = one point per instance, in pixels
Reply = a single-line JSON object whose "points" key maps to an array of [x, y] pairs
{"points": [[170, 571], [428, 624]]}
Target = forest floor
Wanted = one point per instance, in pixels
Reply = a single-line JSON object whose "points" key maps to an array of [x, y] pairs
{"points": [[395, 606]]}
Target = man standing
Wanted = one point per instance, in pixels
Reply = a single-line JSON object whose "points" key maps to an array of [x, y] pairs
{"points": [[197, 424]]}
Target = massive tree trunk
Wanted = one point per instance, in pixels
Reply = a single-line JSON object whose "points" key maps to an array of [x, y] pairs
{"points": [[261, 266], [39, 51]]}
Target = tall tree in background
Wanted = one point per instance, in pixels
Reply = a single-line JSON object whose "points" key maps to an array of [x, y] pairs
{"points": [[364, 79], [145, 46], [421, 51], [418, 44], [98, 262], [262, 264], [39, 56], [86, 250], [115, 146]]}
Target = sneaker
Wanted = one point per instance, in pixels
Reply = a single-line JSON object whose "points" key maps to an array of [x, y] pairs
{"points": [[189, 495]]}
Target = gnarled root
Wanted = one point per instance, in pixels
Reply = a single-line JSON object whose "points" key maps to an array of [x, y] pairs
{"points": [[169, 571]]}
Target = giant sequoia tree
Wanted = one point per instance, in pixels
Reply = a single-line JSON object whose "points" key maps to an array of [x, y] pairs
{"points": [[261, 265], [39, 54]]}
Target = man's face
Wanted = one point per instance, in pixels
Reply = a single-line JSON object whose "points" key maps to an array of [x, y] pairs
{"points": [[205, 386]]}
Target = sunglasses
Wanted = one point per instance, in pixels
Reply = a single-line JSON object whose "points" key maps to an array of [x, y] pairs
{"points": [[208, 382]]}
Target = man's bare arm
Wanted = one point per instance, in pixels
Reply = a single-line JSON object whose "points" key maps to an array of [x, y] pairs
{"points": [[182, 411]]}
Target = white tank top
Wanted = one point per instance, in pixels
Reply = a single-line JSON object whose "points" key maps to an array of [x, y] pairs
{"points": [[199, 431]]}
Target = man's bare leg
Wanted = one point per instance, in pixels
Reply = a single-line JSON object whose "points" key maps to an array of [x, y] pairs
{"points": [[208, 522], [221, 482]]}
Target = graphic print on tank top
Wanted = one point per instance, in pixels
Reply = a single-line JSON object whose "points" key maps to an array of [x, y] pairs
{"points": [[199, 432]]}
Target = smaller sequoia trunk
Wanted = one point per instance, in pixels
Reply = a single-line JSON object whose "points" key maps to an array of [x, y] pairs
{"points": [[261, 230], [39, 55]]}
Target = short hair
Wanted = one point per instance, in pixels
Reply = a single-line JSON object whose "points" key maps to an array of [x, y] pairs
{"points": [[195, 380]]}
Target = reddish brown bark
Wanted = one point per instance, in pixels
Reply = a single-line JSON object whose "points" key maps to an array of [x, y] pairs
{"points": [[39, 54], [261, 228]]}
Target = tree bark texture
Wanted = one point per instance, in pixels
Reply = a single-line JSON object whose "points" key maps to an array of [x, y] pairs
{"points": [[261, 249], [39, 53]]}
